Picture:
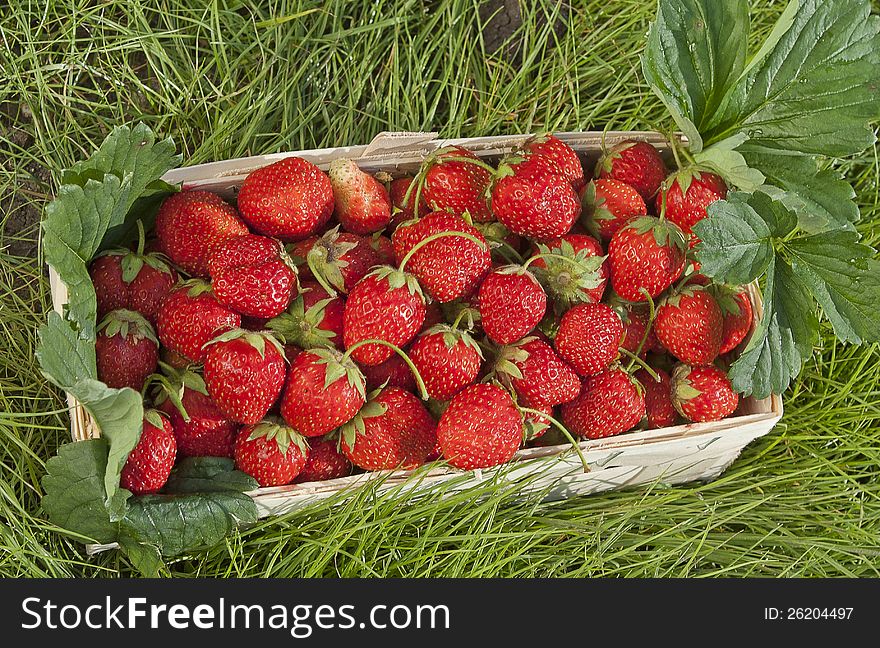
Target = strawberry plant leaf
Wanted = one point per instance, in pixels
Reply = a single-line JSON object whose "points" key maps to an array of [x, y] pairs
{"points": [[74, 490], [696, 50], [208, 474], [65, 357], [726, 161], [783, 340], [822, 200], [815, 89], [180, 523], [844, 278], [146, 558]]}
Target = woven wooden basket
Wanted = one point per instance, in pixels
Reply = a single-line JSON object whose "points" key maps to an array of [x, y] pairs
{"points": [[698, 451]]}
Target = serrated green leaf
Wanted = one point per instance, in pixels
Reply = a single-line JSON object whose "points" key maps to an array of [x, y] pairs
{"points": [[723, 158], [74, 490], [65, 357], [696, 50], [844, 277], [208, 474], [784, 337], [181, 523], [145, 558], [822, 200], [816, 90]]}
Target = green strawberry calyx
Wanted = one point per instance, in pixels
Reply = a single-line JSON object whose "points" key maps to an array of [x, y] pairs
{"points": [[509, 359], [666, 233], [274, 429], [452, 336], [256, 339], [171, 384], [338, 366], [301, 327], [326, 258], [371, 409], [134, 260], [398, 279], [154, 418], [128, 324], [681, 388], [568, 274]]}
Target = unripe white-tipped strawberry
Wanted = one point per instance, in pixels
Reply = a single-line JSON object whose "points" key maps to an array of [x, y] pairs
{"points": [[362, 202]]}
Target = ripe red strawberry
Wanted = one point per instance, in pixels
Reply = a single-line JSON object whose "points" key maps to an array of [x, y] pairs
{"points": [[689, 325], [608, 205], [244, 372], [132, 280], [200, 428], [337, 260], [455, 180], [362, 203], [314, 319], [638, 164], [148, 465], [324, 462], [588, 338], [290, 199], [561, 153], [659, 409], [702, 394], [447, 359], [126, 350], [609, 403], [736, 310], [581, 276], [482, 427], [190, 317], [324, 390], [687, 194], [386, 305], [448, 267], [190, 224], [394, 372], [536, 426], [270, 452], [539, 376], [646, 253], [253, 275], [635, 321], [403, 207], [393, 430], [512, 302], [532, 198]]}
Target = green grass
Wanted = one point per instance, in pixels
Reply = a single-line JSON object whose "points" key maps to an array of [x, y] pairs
{"points": [[235, 79]]}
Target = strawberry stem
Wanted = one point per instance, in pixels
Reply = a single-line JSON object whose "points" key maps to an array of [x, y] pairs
{"points": [[423, 391], [141, 238], [477, 162], [637, 360], [429, 239], [551, 255], [316, 273], [565, 432], [458, 319], [648, 324]]}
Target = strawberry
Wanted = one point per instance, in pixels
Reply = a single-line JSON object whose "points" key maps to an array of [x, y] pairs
{"points": [[647, 253], [609, 403], [403, 204], [532, 198], [200, 428], [536, 426], [324, 462], [736, 311], [539, 376], [291, 352], [270, 452], [572, 269], [362, 203], [689, 325], [190, 224], [503, 245], [608, 205], [561, 153], [394, 372], [393, 430], [314, 319], [447, 359], [337, 260], [448, 267], [635, 321], [455, 180], [290, 199], [638, 164], [126, 350], [253, 275], [148, 465], [244, 372], [685, 195], [190, 317], [482, 427], [384, 249], [702, 394], [512, 302], [659, 409], [132, 280], [588, 338], [386, 305], [324, 390]]}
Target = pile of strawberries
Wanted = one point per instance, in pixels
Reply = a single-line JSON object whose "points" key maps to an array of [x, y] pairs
{"points": [[339, 321]]}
